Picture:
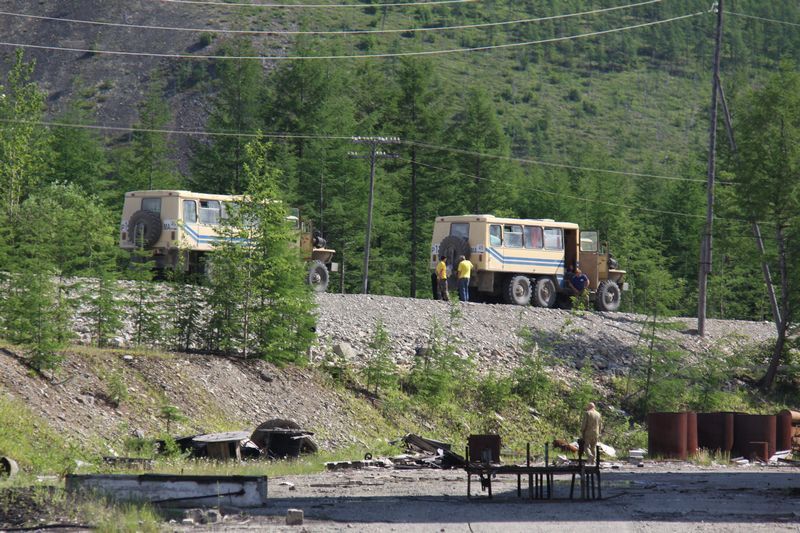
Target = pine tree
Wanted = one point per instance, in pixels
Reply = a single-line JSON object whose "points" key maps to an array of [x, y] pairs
{"points": [[145, 162], [260, 303], [23, 143], [218, 163], [419, 108], [185, 306], [143, 299], [380, 370], [79, 155]]}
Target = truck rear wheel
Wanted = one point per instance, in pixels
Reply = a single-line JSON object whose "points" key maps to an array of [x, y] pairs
{"points": [[317, 276], [608, 296], [544, 293], [517, 290]]}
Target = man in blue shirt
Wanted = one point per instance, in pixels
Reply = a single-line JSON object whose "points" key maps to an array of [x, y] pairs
{"points": [[579, 283]]}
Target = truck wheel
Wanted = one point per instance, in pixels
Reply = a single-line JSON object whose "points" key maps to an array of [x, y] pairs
{"points": [[518, 290], [144, 228], [544, 293], [317, 276], [608, 296]]}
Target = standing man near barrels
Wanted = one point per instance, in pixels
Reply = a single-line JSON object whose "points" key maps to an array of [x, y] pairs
{"points": [[590, 430]]}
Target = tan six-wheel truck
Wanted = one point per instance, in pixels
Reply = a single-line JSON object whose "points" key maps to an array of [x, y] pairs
{"points": [[172, 224], [522, 261]]}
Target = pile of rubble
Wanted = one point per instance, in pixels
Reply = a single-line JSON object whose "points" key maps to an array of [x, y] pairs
{"points": [[420, 452]]}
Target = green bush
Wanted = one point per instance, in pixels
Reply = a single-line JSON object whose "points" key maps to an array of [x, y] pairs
{"points": [[494, 392], [117, 390]]}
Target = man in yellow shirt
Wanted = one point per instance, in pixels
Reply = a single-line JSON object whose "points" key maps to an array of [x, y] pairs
{"points": [[464, 272], [441, 278]]}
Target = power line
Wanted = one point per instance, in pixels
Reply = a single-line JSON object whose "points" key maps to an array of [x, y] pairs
{"points": [[326, 32], [744, 15], [319, 6], [281, 135], [274, 135], [278, 135], [580, 198], [550, 164], [362, 56]]}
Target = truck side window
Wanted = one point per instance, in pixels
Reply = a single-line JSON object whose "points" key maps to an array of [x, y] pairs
{"points": [[151, 204], [533, 237], [495, 235], [209, 212], [189, 211], [553, 238], [460, 229], [512, 236]]}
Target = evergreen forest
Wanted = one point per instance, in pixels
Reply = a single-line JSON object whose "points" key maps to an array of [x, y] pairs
{"points": [[589, 112]]}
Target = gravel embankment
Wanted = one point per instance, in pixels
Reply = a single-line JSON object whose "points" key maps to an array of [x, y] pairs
{"points": [[490, 332]]}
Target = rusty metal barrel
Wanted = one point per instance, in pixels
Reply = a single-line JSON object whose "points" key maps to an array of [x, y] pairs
{"points": [[785, 429], [691, 433], [715, 431], [753, 428], [667, 435]]}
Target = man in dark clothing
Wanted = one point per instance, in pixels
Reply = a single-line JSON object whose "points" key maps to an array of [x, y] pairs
{"points": [[579, 285]]}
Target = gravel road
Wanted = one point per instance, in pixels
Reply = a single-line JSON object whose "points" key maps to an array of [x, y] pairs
{"points": [[659, 497]]}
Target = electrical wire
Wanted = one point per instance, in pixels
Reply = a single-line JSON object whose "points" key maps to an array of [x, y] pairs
{"points": [[361, 56], [284, 135], [555, 165], [744, 15], [326, 32], [198, 133], [279, 135], [319, 6], [580, 198]]}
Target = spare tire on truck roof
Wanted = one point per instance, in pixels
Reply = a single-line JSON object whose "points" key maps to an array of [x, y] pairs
{"points": [[146, 227]]}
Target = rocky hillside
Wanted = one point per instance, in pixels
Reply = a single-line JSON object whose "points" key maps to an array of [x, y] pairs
{"points": [[217, 393]]}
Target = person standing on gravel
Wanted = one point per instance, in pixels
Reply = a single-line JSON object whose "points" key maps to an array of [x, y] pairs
{"points": [[590, 430], [464, 273], [441, 278]]}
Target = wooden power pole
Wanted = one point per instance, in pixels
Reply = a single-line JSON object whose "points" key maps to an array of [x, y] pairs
{"points": [[706, 247], [374, 154]]}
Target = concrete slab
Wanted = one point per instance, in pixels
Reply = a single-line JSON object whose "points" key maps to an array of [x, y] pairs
{"points": [[175, 490]]}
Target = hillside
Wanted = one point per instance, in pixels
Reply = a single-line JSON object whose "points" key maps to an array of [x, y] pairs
{"points": [[218, 394]]}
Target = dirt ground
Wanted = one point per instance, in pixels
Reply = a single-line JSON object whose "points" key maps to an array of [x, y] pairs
{"points": [[673, 497]]}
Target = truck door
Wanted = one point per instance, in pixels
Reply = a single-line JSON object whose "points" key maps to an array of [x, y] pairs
{"points": [[589, 257]]}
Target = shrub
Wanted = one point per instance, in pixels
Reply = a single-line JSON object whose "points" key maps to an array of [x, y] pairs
{"points": [[117, 390]]}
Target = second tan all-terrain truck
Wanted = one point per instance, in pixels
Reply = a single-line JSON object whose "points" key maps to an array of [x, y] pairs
{"points": [[522, 261]]}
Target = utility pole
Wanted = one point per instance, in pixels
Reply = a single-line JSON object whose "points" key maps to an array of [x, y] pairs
{"points": [[705, 249], [374, 154], [773, 301]]}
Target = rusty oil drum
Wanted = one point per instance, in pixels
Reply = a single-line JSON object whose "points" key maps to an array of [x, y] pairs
{"points": [[667, 435], [715, 431], [753, 428], [691, 433], [785, 430]]}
